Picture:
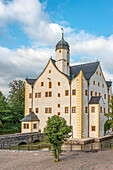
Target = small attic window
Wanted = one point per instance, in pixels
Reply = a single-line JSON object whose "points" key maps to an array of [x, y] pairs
{"points": [[68, 52], [59, 51]]}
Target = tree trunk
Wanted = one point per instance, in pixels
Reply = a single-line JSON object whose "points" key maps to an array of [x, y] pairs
{"points": [[57, 154]]}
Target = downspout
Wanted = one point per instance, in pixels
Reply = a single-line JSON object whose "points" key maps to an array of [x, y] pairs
{"points": [[32, 100], [88, 108], [70, 107]]}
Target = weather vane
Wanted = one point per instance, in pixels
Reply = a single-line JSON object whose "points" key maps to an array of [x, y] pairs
{"points": [[62, 33]]}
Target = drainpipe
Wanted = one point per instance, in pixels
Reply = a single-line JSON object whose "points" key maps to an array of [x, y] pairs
{"points": [[88, 108], [70, 107], [32, 100]]}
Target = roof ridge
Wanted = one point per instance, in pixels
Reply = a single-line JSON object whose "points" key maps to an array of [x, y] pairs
{"points": [[86, 63]]}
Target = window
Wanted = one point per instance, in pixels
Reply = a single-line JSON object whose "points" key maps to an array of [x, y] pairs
{"points": [[48, 94], [50, 84], [95, 93], [58, 113], [42, 83], [97, 72], [67, 64], [68, 52], [74, 92], [66, 92], [101, 109], [91, 93], [103, 85], [58, 94], [104, 110], [30, 95], [94, 82], [73, 109], [93, 128], [59, 51], [26, 126], [36, 110], [98, 84], [38, 95], [109, 97], [58, 105], [30, 109], [93, 109], [99, 94], [66, 109], [100, 74], [86, 92], [86, 109], [34, 126], [58, 83], [104, 96], [48, 110], [49, 71]]}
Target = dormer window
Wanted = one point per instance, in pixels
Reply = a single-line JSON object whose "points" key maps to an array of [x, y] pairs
{"points": [[59, 51]]}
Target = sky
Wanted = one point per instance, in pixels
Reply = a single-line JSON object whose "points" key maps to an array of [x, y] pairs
{"points": [[30, 29]]}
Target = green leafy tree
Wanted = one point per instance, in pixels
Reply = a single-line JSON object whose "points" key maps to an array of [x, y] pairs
{"points": [[57, 131], [16, 100], [109, 123]]}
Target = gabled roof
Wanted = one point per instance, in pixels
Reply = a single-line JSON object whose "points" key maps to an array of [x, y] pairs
{"points": [[30, 117], [109, 83], [87, 69], [95, 100], [31, 81]]}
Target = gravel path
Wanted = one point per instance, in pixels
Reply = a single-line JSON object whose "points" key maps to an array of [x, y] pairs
{"points": [[18, 160]]}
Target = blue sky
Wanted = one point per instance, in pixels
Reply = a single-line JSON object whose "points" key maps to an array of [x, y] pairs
{"points": [[30, 29]]}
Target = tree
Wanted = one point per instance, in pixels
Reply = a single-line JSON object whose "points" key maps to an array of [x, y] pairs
{"points": [[109, 123], [57, 131], [16, 100]]}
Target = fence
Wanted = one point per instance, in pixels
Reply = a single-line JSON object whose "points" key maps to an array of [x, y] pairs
{"points": [[67, 147]]}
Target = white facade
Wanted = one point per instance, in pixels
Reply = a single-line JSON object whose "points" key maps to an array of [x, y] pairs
{"points": [[57, 92]]}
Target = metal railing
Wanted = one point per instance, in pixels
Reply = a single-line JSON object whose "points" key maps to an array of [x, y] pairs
{"points": [[67, 147]]}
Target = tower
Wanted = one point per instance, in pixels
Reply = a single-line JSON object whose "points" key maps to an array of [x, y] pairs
{"points": [[63, 55]]}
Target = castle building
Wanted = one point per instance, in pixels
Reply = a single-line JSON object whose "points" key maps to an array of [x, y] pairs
{"points": [[78, 93]]}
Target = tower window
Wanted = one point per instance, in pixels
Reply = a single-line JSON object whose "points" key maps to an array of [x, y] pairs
{"points": [[100, 74], [91, 93], [97, 72], [103, 85], [101, 109], [48, 94], [48, 110], [59, 51], [94, 82], [68, 52], [30, 109], [93, 128], [68, 64], [74, 92], [74, 109], [98, 84], [50, 84], [30, 95], [86, 109], [95, 93], [99, 94], [86, 92], [38, 95], [104, 96], [66, 92]]}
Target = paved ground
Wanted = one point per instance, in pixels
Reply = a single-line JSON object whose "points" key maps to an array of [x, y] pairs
{"points": [[18, 160]]}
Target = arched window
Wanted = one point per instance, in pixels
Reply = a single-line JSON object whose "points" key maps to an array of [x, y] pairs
{"points": [[50, 84]]}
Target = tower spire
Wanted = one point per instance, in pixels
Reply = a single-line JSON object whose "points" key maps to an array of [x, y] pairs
{"points": [[62, 33]]}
